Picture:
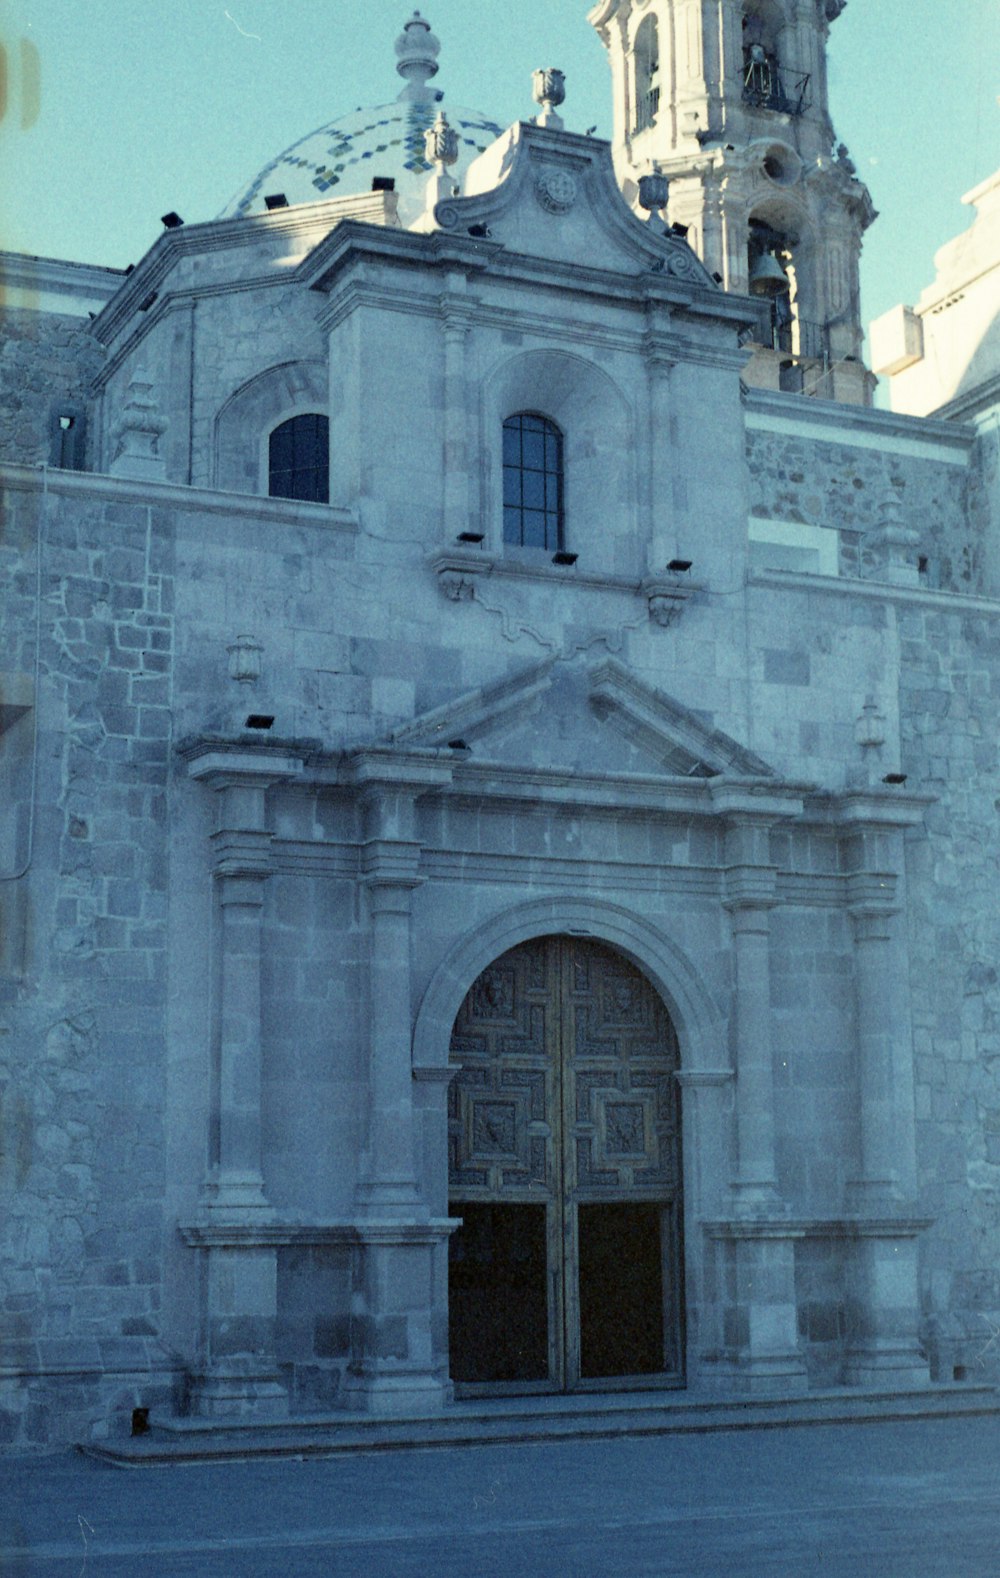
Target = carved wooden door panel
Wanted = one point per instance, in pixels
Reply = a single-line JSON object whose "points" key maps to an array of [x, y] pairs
{"points": [[564, 1165]]}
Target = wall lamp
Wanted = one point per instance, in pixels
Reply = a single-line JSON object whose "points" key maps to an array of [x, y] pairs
{"points": [[275, 200], [171, 221], [676, 566], [562, 557]]}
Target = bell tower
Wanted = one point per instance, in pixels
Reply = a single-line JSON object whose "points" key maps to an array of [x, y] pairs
{"points": [[728, 99]]}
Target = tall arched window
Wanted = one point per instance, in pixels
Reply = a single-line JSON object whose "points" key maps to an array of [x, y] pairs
{"points": [[298, 459], [647, 74], [532, 481]]}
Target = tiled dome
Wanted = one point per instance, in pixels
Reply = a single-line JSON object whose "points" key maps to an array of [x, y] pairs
{"points": [[343, 157]]}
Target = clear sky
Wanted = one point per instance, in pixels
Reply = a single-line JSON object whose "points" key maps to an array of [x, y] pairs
{"points": [[151, 105]]}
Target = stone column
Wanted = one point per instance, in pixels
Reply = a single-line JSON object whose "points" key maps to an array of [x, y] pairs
{"points": [[399, 1357], [757, 1245], [237, 1373], [884, 1348]]}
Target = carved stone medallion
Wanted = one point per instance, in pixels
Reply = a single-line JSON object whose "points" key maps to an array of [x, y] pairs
{"points": [[556, 191]]}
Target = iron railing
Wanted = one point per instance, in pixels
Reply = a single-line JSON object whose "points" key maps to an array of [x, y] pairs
{"points": [[767, 87], [646, 109]]}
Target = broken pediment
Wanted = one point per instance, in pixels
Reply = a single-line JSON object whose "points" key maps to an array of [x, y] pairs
{"points": [[551, 194], [570, 718]]}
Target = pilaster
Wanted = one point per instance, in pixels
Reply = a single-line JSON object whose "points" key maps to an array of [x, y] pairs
{"points": [[399, 1349], [756, 1258], [884, 1347], [237, 1373]]}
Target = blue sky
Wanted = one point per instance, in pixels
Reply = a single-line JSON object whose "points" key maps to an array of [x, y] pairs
{"points": [[148, 105]]}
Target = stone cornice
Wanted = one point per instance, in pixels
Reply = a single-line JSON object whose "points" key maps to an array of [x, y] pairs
{"points": [[962, 603], [278, 1231], [354, 243], [230, 234], [164, 495], [847, 1226], [769, 410]]}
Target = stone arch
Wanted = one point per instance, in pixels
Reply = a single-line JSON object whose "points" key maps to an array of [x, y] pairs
{"points": [[244, 423], [697, 1018], [599, 458]]}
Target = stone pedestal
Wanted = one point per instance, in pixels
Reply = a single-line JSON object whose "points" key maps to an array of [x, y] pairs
{"points": [[399, 1319], [885, 1350]]}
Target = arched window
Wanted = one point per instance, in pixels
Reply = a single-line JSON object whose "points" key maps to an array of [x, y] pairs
{"points": [[532, 482], [647, 74], [298, 459]]}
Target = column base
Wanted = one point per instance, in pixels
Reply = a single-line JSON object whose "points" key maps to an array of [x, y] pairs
{"points": [[887, 1366], [238, 1392], [382, 1396]]}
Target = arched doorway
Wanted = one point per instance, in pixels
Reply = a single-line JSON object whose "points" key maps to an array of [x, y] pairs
{"points": [[564, 1166]]}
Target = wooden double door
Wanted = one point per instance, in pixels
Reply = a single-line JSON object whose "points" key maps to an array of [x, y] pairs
{"points": [[564, 1167]]}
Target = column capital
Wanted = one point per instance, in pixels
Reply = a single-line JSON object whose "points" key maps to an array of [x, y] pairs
{"points": [[390, 863], [749, 892], [241, 853]]}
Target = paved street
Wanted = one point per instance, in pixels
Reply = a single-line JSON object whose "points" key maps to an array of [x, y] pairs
{"points": [[858, 1501]]}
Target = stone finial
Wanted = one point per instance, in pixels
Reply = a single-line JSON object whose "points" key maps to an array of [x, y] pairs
{"points": [[893, 546], [245, 656], [869, 726], [654, 191], [418, 50], [549, 88], [441, 150], [441, 142], [137, 435]]}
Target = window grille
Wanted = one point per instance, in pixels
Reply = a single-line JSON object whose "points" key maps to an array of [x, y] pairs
{"points": [[299, 459], [532, 482]]}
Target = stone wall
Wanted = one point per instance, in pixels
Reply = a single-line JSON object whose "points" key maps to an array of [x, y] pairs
{"points": [[82, 1002], [47, 364], [843, 486], [950, 719]]}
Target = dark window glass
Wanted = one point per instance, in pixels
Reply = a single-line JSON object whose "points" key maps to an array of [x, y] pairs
{"points": [[299, 459], [532, 482]]}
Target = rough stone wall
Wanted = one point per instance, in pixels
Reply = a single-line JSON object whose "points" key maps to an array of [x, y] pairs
{"points": [[45, 358], [844, 486], [82, 1022], [950, 718]]}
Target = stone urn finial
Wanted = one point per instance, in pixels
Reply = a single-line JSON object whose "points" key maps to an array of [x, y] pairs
{"points": [[417, 50], [893, 545], [245, 655], [137, 434], [549, 87], [654, 192]]}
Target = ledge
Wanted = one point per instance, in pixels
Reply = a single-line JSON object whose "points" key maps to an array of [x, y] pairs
{"points": [[817, 1227], [280, 1234], [175, 495]]}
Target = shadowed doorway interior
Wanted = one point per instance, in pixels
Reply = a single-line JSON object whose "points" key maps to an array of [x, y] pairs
{"points": [[564, 1166]]}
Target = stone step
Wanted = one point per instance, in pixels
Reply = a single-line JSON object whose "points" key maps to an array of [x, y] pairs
{"points": [[180, 1440]]}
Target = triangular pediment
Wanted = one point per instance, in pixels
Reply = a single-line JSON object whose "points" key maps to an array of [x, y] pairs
{"points": [[571, 718]]}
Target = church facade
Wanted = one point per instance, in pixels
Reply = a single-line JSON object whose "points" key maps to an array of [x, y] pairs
{"points": [[501, 748]]}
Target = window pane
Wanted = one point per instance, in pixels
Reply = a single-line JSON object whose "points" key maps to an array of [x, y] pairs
{"points": [[533, 450], [511, 485], [534, 490], [534, 529], [512, 442], [512, 525]]}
